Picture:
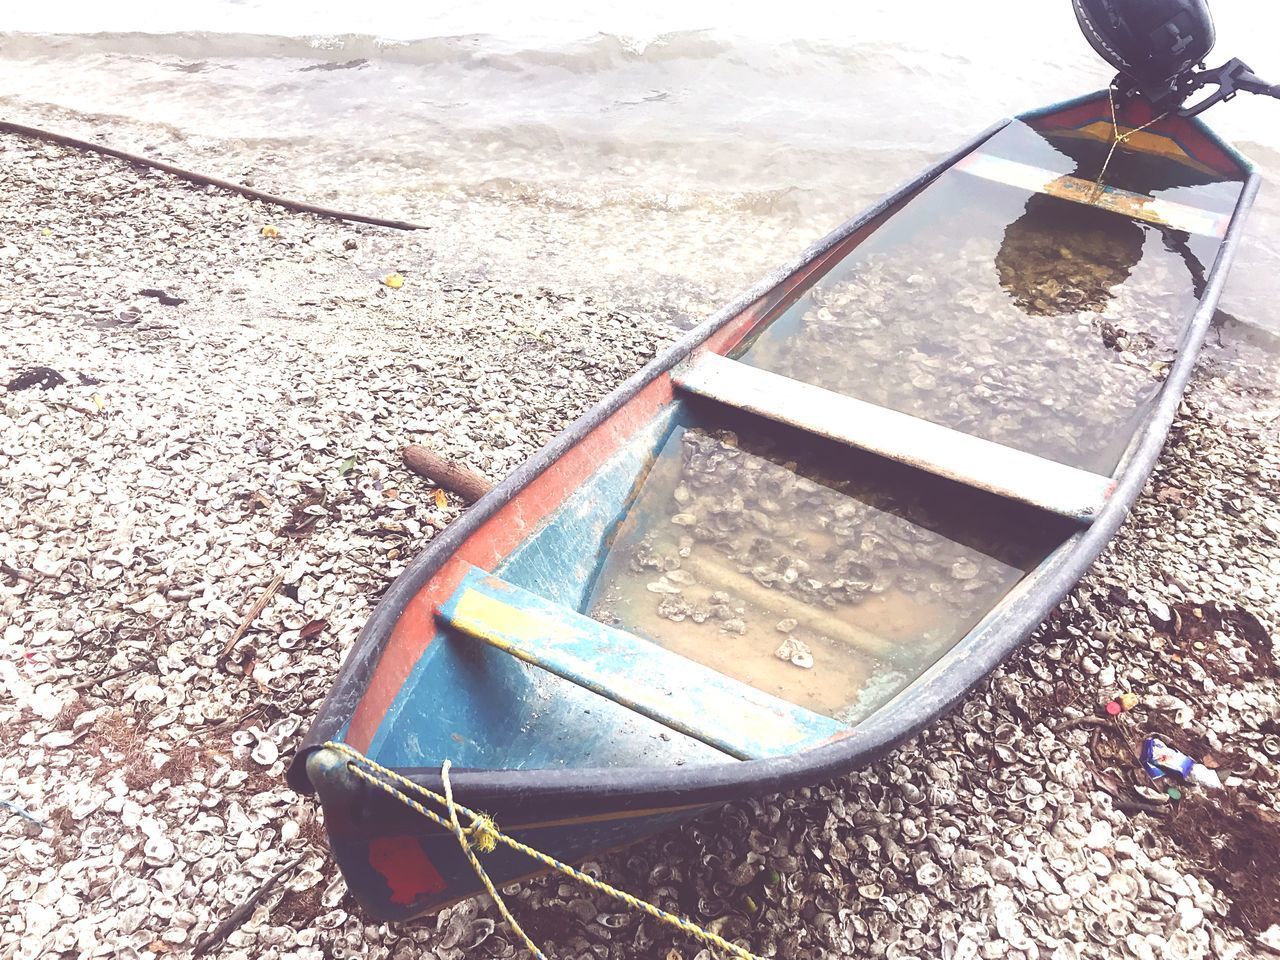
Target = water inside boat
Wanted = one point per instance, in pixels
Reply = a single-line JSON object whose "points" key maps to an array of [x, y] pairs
{"points": [[832, 579], [1026, 319]]}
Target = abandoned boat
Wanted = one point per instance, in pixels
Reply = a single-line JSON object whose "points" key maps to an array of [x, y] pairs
{"points": [[808, 528]]}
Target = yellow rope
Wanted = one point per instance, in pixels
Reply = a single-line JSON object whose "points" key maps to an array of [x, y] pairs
{"points": [[483, 834], [1118, 138]]}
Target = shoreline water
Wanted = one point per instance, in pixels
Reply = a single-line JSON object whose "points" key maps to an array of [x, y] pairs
{"points": [[756, 131], [199, 449]]}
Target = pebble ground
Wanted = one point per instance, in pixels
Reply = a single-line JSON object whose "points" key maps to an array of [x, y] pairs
{"points": [[197, 450]]}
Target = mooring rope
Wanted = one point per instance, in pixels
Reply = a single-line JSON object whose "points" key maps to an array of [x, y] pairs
{"points": [[1118, 138], [483, 835]]}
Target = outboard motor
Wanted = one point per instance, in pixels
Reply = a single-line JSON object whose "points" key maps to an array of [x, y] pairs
{"points": [[1159, 47], [1152, 42]]}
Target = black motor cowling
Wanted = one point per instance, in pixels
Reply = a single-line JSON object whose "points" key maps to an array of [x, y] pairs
{"points": [[1152, 42]]}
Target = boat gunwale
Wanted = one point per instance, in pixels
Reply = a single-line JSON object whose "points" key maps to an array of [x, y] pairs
{"points": [[360, 663], [935, 692]]}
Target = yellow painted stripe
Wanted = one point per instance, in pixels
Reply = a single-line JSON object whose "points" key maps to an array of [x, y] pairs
{"points": [[1169, 213], [1144, 141], [642, 676]]}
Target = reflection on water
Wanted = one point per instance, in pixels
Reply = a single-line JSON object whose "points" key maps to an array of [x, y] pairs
{"points": [[1023, 318], [1075, 266], [812, 572]]}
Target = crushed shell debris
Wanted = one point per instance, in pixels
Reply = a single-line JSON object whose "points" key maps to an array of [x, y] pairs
{"points": [[140, 528]]}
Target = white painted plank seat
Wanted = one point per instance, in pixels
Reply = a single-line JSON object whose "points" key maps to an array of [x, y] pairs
{"points": [[1169, 213], [973, 461]]}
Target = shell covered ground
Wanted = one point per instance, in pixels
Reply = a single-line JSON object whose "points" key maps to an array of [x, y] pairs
{"points": [[226, 408]]}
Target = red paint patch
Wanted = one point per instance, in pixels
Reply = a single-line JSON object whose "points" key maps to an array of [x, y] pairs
{"points": [[401, 862], [495, 539], [1188, 134]]}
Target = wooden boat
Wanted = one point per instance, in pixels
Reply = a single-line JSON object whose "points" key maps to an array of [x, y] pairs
{"points": [[809, 527]]}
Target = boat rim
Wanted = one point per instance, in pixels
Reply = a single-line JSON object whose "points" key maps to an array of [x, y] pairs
{"points": [[930, 696]]}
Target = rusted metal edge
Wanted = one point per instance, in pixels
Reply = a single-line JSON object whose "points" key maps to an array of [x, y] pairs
{"points": [[1169, 213], [975, 462]]}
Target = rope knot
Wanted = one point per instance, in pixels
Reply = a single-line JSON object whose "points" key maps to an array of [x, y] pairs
{"points": [[483, 836], [483, 833]]}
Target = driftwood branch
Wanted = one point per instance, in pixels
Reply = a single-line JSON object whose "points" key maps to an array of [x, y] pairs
{"points": [[463, 481], [252, 615], [113, 675], [242, 912], [1085, 721], [17, 574], [205, 179]]}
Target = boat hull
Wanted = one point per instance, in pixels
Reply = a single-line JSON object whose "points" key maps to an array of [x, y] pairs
{"points": [[399, 865]]}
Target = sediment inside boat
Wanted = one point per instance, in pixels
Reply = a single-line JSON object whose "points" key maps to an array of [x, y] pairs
{"points": [[822, 575]]}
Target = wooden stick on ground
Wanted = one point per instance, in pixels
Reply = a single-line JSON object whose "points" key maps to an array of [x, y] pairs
{"points": [[252, 615], [463, 481], [204, 179], [242, 912], [115, 674], [17, 574]]}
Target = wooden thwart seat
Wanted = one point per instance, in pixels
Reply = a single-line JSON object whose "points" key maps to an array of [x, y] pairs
{"points": [[642, 676], [967, 459], [1167, 213]]}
